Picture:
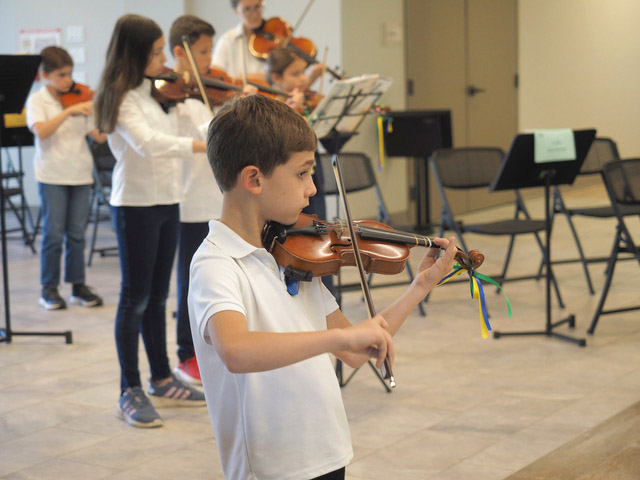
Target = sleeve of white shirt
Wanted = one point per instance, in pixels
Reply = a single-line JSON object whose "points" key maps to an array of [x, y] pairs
{"points": [[35, 112], [330, 304], [214, 286], [146, 141]]}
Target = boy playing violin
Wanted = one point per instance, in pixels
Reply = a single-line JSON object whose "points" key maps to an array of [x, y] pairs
{"points": [[202, 198], [272, 394], [63, 169]]}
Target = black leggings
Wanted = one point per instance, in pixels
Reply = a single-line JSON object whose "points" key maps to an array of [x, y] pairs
{"points": [[335, 475]]}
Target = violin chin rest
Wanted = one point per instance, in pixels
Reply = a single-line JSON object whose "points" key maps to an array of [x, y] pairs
{"points": [[476, 257]]}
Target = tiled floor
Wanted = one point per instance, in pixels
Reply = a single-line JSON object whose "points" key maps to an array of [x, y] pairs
{"points": [[464, 408]]}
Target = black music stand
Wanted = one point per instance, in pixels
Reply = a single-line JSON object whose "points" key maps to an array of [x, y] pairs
{"points": [[17, 73], [19, 136], [336, 120], [416, 134], [519, 170]]}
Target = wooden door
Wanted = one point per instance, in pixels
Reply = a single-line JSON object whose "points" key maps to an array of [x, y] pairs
{"points": [[462, 56]]}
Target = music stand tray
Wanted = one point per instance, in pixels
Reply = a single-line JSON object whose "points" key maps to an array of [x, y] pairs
{"points": [[519, 170], [17, 73]]}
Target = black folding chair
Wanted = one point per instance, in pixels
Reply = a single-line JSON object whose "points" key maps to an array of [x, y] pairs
{"points": [[103, 163], [622, 180], [358, 176], [602, 151], [475, 168]]}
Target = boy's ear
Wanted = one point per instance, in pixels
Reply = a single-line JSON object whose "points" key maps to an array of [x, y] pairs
{"points": [[251, 179], [178, 51]]}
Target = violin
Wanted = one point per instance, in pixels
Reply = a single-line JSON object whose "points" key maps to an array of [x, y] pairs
{"points": [[78, 93], [311, 100], [171, 87], [312, 247], [275, 33]]}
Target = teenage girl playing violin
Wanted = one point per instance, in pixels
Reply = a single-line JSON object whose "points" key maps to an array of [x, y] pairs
{"points": [[226, 54], [63, 170], [146, 191], [202, 198]]}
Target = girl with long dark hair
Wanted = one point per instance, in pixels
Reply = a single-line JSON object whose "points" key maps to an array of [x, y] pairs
{"points": [[146, 191]]}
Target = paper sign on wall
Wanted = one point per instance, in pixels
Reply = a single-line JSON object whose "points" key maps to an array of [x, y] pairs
{"points": [[553, 145], [34, 40]]}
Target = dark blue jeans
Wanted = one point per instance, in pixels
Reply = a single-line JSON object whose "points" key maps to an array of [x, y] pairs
{"points": [[65, 211], [191, 236], [147, 239]]}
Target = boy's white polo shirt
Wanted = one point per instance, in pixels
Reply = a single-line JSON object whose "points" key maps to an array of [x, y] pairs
{"points": [[287, 423], [202, 199], [63, 158]]}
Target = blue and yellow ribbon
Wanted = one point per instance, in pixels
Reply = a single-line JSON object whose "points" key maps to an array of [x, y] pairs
{"points": [[383, 120], [478, 292]]}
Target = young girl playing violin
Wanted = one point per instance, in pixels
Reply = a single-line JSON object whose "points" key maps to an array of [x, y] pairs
{"points": [[286, 71], [63, 169], [146, 191]]}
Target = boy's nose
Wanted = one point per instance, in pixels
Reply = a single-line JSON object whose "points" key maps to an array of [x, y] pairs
{"points": [[311, 190]]}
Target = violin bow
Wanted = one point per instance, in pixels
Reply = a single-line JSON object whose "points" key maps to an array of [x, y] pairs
{"points": [[387, 374], [187, 48], [298, 22]]}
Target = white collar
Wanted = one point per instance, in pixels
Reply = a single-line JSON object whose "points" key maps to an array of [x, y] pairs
{"points": [[229, 241]]}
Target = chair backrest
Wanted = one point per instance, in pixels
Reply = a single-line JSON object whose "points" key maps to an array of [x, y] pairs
{"points": [[465, 168], [103, 162], [357, 173], [622, 179], [602, 151]]}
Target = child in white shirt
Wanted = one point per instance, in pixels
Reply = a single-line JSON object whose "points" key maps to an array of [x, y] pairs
{"points": [[273, 397], [146, 191], [63, 169]]}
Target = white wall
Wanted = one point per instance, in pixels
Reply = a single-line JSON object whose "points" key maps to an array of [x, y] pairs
{"points": [[579, 67], [364, 50]]}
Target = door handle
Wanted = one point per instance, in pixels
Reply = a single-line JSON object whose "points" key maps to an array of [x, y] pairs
{"points": [[472, 90]]}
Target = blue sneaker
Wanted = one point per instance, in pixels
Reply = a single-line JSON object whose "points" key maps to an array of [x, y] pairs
{"points": [[135, 408], [176, 393]]}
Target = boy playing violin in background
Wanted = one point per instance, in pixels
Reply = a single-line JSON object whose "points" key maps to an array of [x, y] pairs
{"points": [[272, 394], [202, 198], [63, 170]]}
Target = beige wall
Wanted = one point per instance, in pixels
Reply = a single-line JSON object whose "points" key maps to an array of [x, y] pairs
{"points": [[580, 67], [364, 50]]}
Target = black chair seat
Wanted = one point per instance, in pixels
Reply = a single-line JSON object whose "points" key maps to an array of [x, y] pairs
{"points": [[605, 212], [506, 227]]}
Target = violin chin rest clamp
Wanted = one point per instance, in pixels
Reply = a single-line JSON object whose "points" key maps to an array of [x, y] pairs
{"points": [[298, 274]]}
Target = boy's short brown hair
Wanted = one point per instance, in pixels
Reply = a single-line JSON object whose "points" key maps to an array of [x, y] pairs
{"points": [[255, 130], [54, 58], [191, 26]]}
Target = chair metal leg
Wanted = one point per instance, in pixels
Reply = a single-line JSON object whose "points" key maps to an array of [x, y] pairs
{"points": [[607, 284], [507, 259], [553, 277]]}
